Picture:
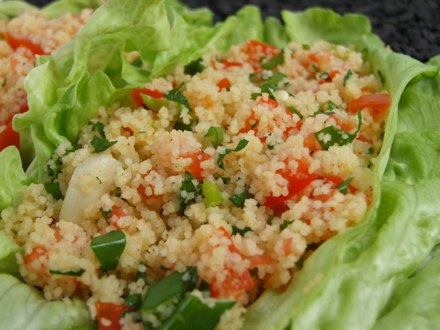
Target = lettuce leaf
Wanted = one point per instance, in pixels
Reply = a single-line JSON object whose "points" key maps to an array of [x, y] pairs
{"points": [[59, 8], [25, 308], [360, 267]]}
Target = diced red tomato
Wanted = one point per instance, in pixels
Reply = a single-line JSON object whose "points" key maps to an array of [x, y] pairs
{"points": [[9, 137], [116, 214], [228, 64], [235, 284], [109, 314], [195, 167], [379, 103], [333, 74], [224, 83], [287, 246], [136, 95], [17, 42], [296, 183], [310, 143], [34, 255], [364, 139], [366, 89], [261, 260], [255, 49]]}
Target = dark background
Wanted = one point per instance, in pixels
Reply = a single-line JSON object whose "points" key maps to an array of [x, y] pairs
{"points": [[408, 26]]}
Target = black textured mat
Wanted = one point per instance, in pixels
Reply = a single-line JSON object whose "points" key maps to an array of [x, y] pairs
{"points": [[408, 26]]}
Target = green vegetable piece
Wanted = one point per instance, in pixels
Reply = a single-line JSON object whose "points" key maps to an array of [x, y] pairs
{"points": [[212, 193], [268, 88], [165, 293], [239, 199], [181, 127], [255, 124], [343, 186], [194, 67], [101, 145], [108, 248], [347, 76], [105, 214], [296, 112], [371, 151], [134, 300], [215, 135], [243, 143], [77, 273], [325, 76], [305, 47], [154, 103], [285, 224], [192, 313], [381, 76], [332, 106], [274, 78], [176, 96], [194, 282], [98, 126], [337, 136], [187, 183], [315, 67], [141, 272], [225, 179], [255, 95], [53, 189], [241, 232], [271, 217], [274, 61]]}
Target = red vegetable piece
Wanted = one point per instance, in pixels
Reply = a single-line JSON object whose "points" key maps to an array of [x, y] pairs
{"points": [[9, 137], [109, 314], [136, 95], [17, 42]]}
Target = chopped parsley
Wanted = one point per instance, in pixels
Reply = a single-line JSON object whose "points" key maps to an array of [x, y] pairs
{"points": [[254, 125], [332, 106], [271, 217], [53, 189], [178, 97], [225, 179], [105, 214], [239, 199], [241, 232], [101, 145], [337, 136], [371, 151], [347, 76], [194, 67], [274, 61], [296, 112], [241, 145], [315, 67], [181, 126], [98, 126], [285, 224], [188, 187], [343, 186]]}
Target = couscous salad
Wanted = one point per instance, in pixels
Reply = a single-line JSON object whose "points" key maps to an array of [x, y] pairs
{"points": [[181, 175]]}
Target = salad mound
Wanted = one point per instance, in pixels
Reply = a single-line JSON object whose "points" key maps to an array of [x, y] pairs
{"points": [[230, 168], [208, 177]]}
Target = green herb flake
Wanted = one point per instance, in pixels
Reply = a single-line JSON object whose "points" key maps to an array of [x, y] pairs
{"points": [[343, 186], [108, 248], [105, 214], [101, 145], [119, 194], [347, 76], [337, 136], [4, 83], [141, 272], [315, 67], [241, 145], [178, 97], [134, 300], [53, 189], [255, 95], [225, 179], [271, 217], [268, 88], [99, 127], [241, 232], [332, 106], [305, 47], [182, 127], [215, 135], [274, 61], [194, 67], [100, 181], [296, 112], [254, 125], [239, 199], [371, 151], [77, 273], [285, 224]]}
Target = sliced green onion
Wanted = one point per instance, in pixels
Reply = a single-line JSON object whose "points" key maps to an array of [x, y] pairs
{"points": [[343, 186], [215, 135], [241, 232], [77, 273], [154, 103], [239, 199], [325, 76], [194, 67], [105, 214], [285, 224], [347, 76], [274, 61], [108, 248], [212, 193], [315, 67], [53, 189], [101, 145]]}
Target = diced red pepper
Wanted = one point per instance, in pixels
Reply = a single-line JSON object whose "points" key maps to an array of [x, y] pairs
{"points": [[254, 49], [17, 42], [136, 95], [224, 83], [296, 183], [109, 314], [34, 255], [195, 167], [379, 103], [9, 137]]}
